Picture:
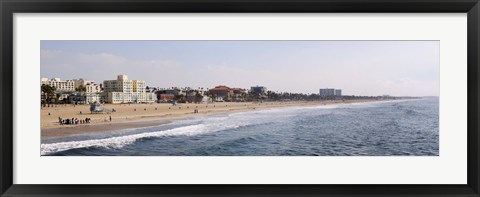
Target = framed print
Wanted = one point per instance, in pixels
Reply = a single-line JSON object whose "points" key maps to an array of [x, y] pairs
{"points": [[254, 98]]}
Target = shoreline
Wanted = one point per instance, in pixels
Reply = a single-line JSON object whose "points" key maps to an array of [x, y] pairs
{"points": [[162, 114]]}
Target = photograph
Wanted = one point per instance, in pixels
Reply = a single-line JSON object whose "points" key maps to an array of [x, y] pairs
{"points": [[239, 97], [252, 98]]}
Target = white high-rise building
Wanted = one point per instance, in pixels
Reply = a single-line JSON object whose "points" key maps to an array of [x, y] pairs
{"points": [[338, 92], [124, 90], [327, 92]]}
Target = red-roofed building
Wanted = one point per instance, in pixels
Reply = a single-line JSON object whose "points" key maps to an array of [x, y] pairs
{"points": [[238, 91], [225, 93], [239, 94], [221, 93]]}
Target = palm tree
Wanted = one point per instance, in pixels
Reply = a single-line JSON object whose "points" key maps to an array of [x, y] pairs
{"points": [[198, 97], [179, 97], [48, 91], [82, 89], [211, 96]]}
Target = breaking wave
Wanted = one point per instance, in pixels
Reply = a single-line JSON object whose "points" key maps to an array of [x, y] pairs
{"points": [[121, 141]]}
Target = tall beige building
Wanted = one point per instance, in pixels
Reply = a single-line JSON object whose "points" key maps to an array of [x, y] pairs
{"points": [[90, 86], [82, 82], [92, 92], [124, 90]]}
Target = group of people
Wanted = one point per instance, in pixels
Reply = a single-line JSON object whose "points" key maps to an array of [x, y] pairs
{"points": [[74, 121]]}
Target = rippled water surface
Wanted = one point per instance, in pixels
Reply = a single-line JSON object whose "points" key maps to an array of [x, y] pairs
{"points": [[407, 127]]}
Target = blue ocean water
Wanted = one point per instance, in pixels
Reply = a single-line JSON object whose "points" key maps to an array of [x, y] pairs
{"points": [[399, 128]]}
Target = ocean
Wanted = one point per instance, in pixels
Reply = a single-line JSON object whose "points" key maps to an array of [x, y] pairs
{"points": [[389, 128]]}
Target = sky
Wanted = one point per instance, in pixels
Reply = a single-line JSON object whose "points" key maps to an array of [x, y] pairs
{"points": [[367, 68]]}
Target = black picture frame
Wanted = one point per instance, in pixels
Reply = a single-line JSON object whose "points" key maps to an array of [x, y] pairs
{"points": [[10, 7]]}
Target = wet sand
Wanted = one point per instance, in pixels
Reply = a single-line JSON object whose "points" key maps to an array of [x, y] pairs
{"points": [[101, 127]]}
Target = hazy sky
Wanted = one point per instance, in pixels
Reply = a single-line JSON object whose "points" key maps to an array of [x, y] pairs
{"points": [[399, 68]]}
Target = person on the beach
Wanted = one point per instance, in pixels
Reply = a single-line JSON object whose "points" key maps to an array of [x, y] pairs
{"points": [[110, 118]]}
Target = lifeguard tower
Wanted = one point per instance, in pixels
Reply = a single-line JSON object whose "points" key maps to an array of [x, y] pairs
{"points": [[96, 108]]}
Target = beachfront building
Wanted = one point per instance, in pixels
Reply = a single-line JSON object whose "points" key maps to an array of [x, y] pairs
{"points": [[338, 92], [81, 82], [327, 92], [330, 92], [59, 85], [238, 91], [90, 86], [196, 96], [93, 88], [239, 94], [93, 97], [124, 90], [175, 91], [93, 92], [77, 98], [170, 94], [87, 92], [224, 93], [258, 90], [85, 97], [181, 94], [220, 93], [69, 90]]}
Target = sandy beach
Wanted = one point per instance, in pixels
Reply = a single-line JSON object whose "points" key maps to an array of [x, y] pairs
{"points": [[144, 115]]}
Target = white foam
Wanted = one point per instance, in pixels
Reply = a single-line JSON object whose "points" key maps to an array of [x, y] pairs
{"points": [[121, 141]]}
